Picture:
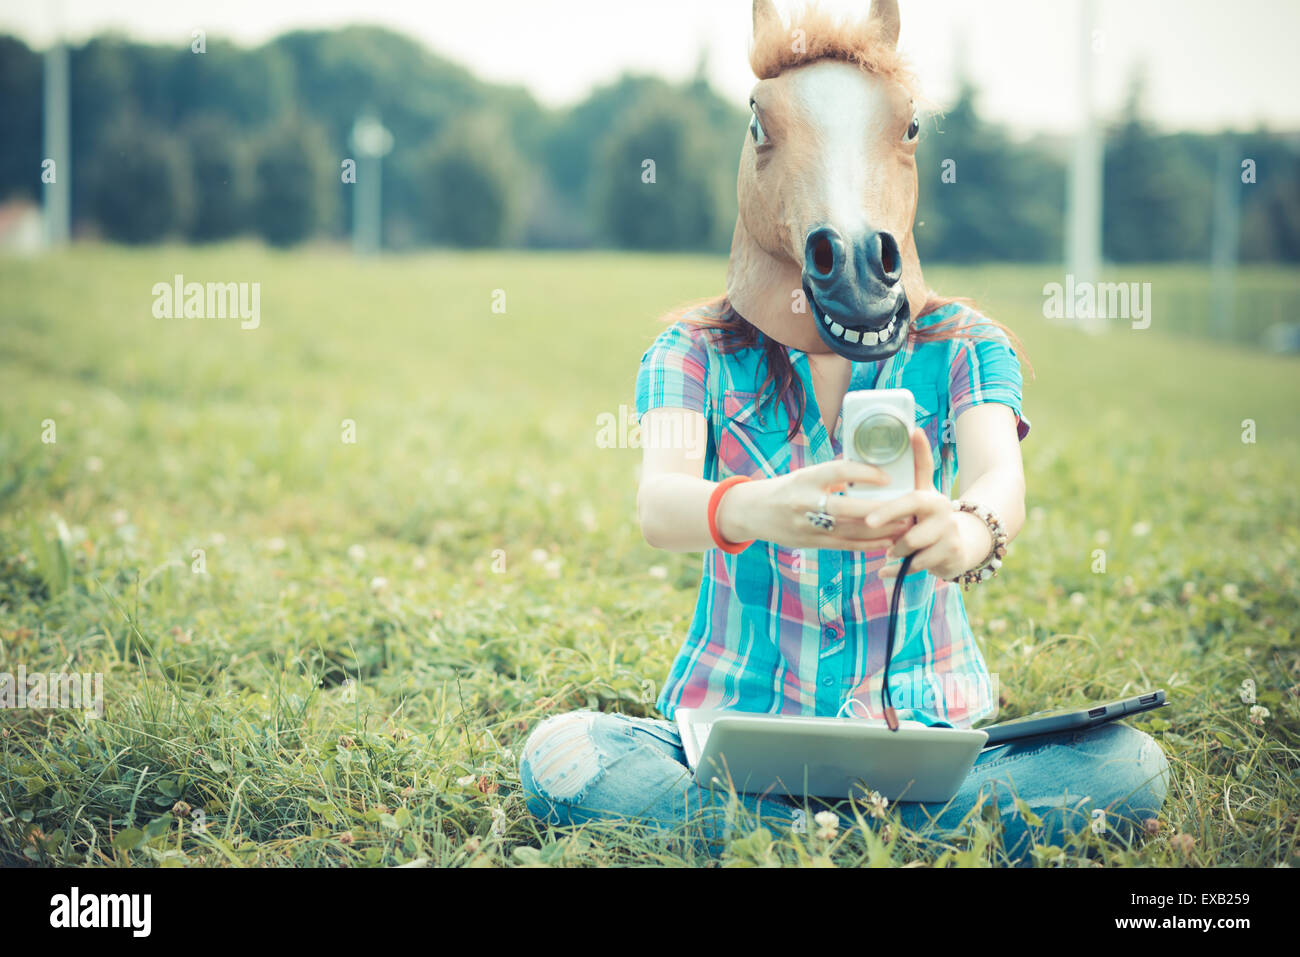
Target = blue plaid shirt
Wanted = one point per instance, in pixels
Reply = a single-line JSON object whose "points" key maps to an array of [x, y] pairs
{"points": [[802, 631]]}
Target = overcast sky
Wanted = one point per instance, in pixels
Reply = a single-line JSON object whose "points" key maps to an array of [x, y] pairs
{"points": [[1208, 64]]}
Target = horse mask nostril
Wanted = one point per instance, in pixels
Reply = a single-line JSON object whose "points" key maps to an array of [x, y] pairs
{"points": [[823, 257], [887, 249], [823, 253]]}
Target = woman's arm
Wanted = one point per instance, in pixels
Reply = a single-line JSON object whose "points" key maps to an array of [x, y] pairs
{"points": [[673, 497], [992, 474]]}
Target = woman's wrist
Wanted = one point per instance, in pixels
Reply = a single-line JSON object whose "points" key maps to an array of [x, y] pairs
{"points": [[977, 540], [736, 510]]}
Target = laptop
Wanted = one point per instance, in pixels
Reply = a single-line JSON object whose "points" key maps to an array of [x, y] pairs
{"points": [[833, 758]]}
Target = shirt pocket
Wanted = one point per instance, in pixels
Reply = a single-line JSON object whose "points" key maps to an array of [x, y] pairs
{"points": [[752, 441]]}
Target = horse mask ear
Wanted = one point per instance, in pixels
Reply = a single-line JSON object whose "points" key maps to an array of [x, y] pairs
{"points": [[765, 15], [885, 12]]}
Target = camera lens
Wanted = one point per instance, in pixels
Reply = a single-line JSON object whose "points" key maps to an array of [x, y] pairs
{"points": [[880, 438]]}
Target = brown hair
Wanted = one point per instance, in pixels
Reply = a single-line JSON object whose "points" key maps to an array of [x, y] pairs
{"points": [[733, 332]]}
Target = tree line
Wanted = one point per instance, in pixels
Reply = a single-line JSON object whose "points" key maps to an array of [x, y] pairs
{"points": [[171, 144]]}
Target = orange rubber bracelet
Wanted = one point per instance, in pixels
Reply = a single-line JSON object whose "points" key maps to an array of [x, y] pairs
{"points": [[732, 548]]}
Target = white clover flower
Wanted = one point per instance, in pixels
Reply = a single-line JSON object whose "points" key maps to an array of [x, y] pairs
{"points": [[1248, 691], [1142, 529], [275, 545], [419, 562], [878, 804], [552, 568], [540, 555], [828, 824], [658, 571], [1146, 607], [94, 464], [1077, 600], [357, 553], [1230, 592], [1257, 715], [119, 516], [378, 584]]}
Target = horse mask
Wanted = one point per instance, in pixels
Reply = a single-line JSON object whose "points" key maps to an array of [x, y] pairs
{"points": [[822, 258]]}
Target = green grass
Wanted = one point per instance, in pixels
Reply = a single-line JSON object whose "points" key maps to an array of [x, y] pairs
{"points": [[356, 649]]}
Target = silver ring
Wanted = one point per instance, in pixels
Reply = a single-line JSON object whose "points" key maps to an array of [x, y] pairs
{"points": [[821, 518]]}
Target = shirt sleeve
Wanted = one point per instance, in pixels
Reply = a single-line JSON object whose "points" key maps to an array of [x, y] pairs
{"points": [[673, 372], [985, 368]]}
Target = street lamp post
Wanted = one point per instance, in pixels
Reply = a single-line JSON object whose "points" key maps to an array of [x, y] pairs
{"points": [[372, 143]]}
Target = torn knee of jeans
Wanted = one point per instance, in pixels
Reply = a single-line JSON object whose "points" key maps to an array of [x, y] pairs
{"points": [[563, 756]]}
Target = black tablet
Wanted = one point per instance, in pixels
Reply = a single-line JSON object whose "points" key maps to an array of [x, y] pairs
{"points": [[1071, 719]]}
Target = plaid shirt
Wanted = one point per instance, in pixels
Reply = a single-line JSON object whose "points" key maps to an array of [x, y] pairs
{"points": [[802, 631]]}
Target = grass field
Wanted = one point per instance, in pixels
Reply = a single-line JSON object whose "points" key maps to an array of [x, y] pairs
{"points": [[379, 623]]}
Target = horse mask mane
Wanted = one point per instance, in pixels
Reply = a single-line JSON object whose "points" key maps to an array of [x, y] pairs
{"points": [[823, 258]]}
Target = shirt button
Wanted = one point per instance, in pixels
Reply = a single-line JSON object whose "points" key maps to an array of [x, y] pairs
{"points": [[828, 681], [829, 632]]}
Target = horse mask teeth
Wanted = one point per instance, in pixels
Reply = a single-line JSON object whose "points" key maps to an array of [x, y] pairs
{"points": [[853, 335]]}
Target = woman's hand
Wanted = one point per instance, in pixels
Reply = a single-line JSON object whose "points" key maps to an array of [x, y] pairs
{"points": [[774, 510], [942, 541]]}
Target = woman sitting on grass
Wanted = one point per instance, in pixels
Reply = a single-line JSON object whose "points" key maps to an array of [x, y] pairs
{"points": [[825, 295]]}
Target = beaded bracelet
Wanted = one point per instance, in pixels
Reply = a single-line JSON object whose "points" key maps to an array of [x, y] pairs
{"points": [[993, 560]]}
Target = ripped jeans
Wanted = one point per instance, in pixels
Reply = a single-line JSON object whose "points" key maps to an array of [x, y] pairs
{"points": [[585, 766]]}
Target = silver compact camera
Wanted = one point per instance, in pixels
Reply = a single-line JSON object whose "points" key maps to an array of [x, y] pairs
{"points": [[877, 430]]}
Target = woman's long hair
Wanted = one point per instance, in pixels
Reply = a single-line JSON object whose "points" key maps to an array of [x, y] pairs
{"points": [[734, 332]]}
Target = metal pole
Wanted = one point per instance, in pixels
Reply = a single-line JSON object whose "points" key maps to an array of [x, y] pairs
{"points": [[1084, 207], [56, 136], [372, 142], [1224, 238]]}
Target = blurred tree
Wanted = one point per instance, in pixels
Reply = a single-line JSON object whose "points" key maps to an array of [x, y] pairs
{"points": [[1157, 203], [138, 182], [574, 151], [101, 75], [1270, 221], [471, 176], [293, 183], [221, 174], [250, 87], [653, 187], [20, 120], [579, 183], [982, 197]]}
